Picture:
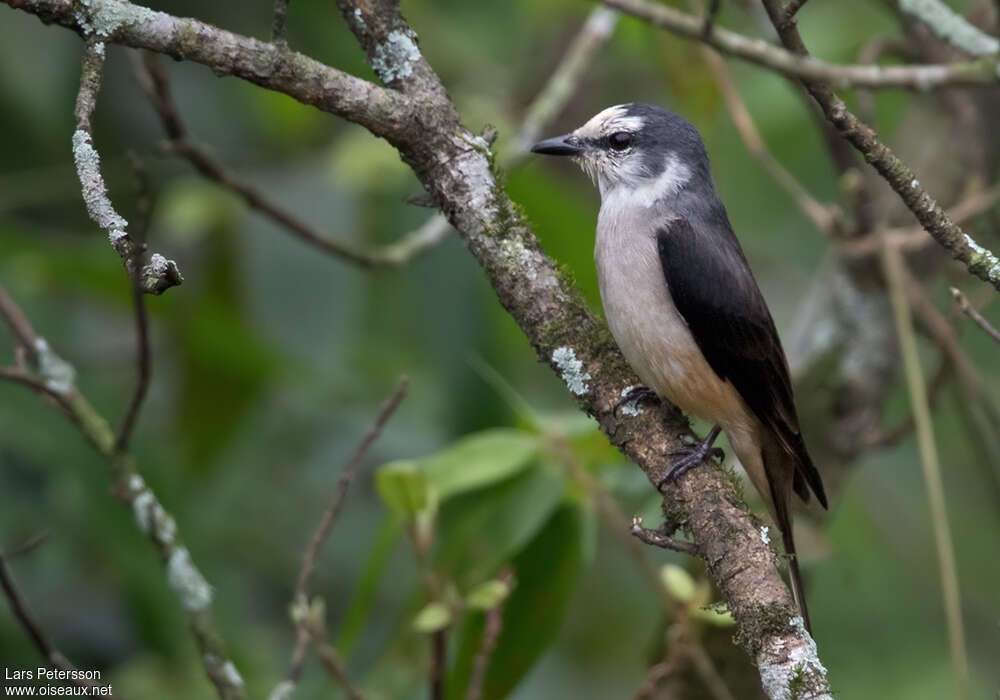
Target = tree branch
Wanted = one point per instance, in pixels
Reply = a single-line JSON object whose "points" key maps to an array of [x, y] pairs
{"points": [[457, 168], [160, 274], [966, 308], [979, 261], [55, 380], [53, 657], [920, 77], [951, 26], [309, 627]]}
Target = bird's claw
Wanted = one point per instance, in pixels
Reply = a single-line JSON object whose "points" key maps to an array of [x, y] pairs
{"points": [[636, 395], [692, 457]]}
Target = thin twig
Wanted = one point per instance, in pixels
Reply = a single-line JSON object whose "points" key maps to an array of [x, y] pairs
{"points": [[952, 27], [55, 380], [979, 261], [144, 364], [278, 26], [300, 599], [53, 657], [492, 627], [330, 659], [329, 517], [29, 545], [550, 101], [913, 77], [825, 216], [710, 16], [894, 270], [660, 539], [154, 80], [793, 7], [914, 238], [160, 274], [963, 304]]}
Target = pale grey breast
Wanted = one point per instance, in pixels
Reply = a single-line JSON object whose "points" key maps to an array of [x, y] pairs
{"points": [[651, 333]]}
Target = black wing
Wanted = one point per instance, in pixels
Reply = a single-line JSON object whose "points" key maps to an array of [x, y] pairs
{"points": [[715, 291]]}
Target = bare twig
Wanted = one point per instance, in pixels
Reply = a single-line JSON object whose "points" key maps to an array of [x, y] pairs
{"points": [[278, 26], [29, 545], [143, 364], [323, 529], [894, 269], [158, 90], [951, 26], [328, 656], [488, 642], [55, 380], [329, 518], [793, 7], [562, 84], [963, 304], [916, 77], [53, 657], [913, 238], [658, 538], [458, 174], [547, 105], [929, 213], [160, 274], [826, 217]]}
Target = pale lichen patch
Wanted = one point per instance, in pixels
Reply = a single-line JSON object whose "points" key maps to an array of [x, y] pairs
{"points": [[231, 675], [191, 587], [58, 375], [781, 663], [282, 691], [95, 196], [571, 370], [104, 17], [983, 261], [394, 57]]}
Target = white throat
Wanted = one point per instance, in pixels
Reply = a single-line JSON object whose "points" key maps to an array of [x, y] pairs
{"points": [[643, 191]]}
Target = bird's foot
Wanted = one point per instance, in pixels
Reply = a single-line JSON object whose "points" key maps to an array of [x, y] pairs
{"points": [[693, 455], [636, 395]]}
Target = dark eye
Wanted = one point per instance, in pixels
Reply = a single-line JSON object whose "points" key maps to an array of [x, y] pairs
{"points": [[620, 140]]}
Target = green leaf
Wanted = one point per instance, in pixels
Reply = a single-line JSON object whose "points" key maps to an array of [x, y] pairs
{"points": [[488, 595], [480, 531], [479, 460], [403, 487], [547, 572], [433, 617], [678, 582]]}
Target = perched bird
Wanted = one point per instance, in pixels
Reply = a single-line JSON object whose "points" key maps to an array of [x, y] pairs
{"points": [[683, 305]]}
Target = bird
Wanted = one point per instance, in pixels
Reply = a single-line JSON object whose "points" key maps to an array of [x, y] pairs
{"points": [[683, 305]]}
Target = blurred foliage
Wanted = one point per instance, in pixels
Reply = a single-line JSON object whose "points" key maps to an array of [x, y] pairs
{"points": [[271, 359]]}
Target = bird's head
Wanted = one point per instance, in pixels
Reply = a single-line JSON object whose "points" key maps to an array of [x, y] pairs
{"points": [[635, 148]]}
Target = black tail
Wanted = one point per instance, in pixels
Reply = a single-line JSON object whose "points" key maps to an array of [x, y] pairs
{"points": [[798, 591]]}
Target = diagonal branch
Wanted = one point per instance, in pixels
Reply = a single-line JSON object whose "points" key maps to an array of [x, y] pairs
{"points": [[979, 261], [55, 380], [458, 170], [982, 71], [53, 657], [969, 310], [160, 274]]}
